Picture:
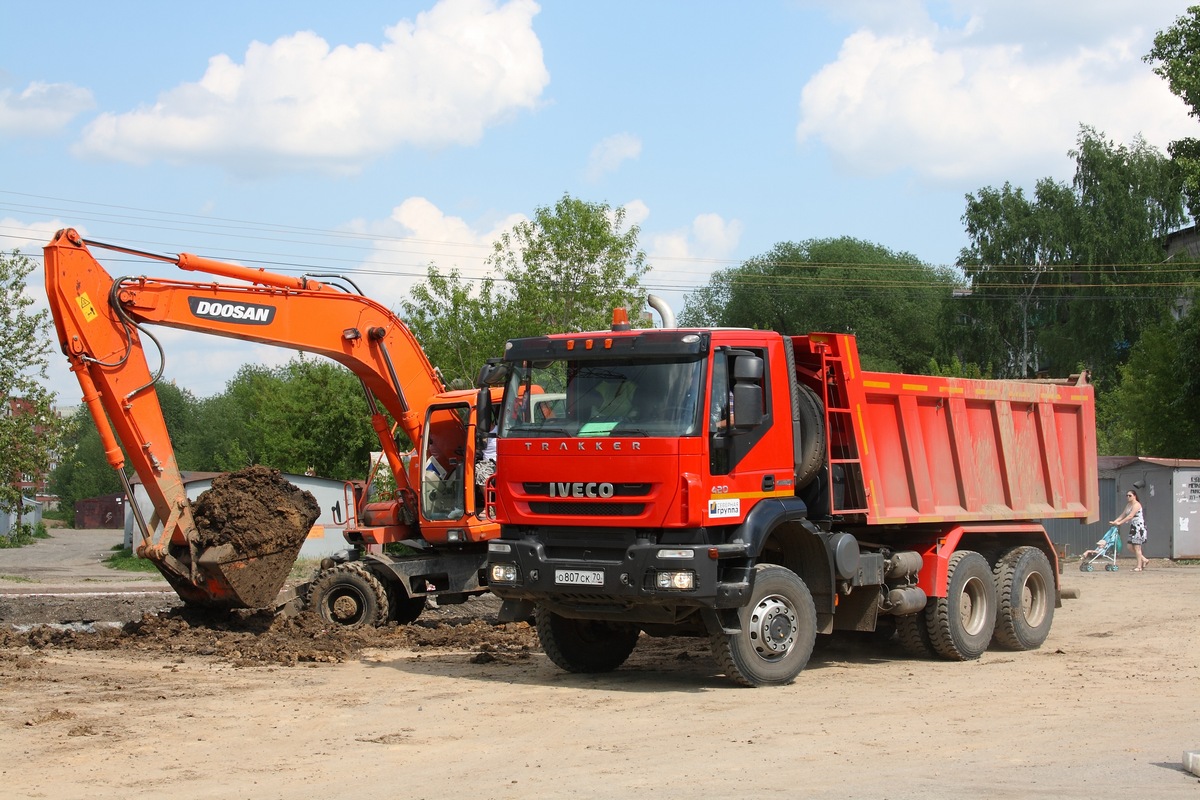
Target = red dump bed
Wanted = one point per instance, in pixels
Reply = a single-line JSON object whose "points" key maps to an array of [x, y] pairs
{"points": [[922, 449]]}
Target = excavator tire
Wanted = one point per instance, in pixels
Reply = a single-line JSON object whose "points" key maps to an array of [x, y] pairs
{"points": [[402, 608], [350, 596]]}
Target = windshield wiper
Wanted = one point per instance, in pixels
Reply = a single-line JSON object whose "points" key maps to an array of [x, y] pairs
{"points": [[529, 430]]}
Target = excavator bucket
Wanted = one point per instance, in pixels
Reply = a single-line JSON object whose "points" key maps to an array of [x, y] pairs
{"points": [[246, 582], [226, 578], [249, 528]]}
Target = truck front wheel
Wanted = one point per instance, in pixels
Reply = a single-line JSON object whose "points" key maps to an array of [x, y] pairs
{"points": [[778, 630], [1025, 586], [585, 645], [962, 622]]}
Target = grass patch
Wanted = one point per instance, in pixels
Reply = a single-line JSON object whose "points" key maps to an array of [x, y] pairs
{"points": [[304, 568], [22, 535], [124, 559], [17, 579]]}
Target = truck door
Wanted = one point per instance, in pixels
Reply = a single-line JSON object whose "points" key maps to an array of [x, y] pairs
{"points": [[740, 419]]}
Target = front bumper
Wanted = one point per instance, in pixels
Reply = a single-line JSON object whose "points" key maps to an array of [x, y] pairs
{"points": [[627, 584]]}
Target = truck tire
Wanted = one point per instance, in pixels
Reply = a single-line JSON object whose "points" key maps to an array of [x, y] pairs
{"points": [[779, 628], [350, 596], [1025, 594], [912, 631], [585, 645], [962, 622]]}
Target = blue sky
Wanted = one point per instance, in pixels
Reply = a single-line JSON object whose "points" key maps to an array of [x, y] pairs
{"points": [[377, 138]]}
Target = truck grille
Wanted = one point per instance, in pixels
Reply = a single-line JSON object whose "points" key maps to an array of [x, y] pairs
{"points": [[568, 509], [619, 489]]}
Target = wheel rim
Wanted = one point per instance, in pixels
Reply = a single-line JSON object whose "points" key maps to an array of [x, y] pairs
{"points": [[345, 605], [973, 607], [1033, 599], [773, 627]]}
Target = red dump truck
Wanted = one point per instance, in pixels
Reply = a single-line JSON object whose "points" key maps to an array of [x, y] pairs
{"points": [[759, 489]]}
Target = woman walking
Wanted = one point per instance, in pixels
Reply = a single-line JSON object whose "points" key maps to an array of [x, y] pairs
{"points": [[1137, 527]]}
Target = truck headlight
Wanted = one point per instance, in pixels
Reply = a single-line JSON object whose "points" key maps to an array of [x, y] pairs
{"points": [[505, 573], [675, 580]]}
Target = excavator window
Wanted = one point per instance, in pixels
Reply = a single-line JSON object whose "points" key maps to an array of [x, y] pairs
{"points": [[443, 479]]}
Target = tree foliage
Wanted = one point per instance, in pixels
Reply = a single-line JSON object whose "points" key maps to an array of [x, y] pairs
{"points": [[1070, 277], [565, 269], [891, 301], [306, 414], [458, 328], [1155, 410], [29, 428], [1176, 56]]}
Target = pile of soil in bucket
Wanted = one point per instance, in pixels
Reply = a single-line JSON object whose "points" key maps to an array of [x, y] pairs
{"points": [[256, 510]]}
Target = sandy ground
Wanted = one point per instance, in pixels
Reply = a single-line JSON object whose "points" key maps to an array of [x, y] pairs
{"points": [[1104, 710]]}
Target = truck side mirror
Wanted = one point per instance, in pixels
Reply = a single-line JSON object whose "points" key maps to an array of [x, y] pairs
{"points": [[483, 416], [493, 373], [747, 405], [747, 391]]}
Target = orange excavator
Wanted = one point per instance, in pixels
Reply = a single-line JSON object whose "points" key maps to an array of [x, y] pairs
{"points": [[102, 326]]}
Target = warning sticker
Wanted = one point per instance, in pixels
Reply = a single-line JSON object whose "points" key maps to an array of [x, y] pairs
{"points": [[725, 508], [85, 304]]}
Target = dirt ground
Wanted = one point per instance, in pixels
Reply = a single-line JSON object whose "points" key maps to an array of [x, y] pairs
{"points": [[150, 701]]}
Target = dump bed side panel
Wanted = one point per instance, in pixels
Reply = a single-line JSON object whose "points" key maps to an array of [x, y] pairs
{"points": [[924, 449], [945, 449]]}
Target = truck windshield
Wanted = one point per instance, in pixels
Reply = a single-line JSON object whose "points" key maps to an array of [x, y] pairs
{"points": [[603, 398]]}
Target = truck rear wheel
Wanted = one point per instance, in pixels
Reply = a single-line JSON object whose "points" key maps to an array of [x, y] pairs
{"points": [[912, 631], [962, 622], [585, 645], [350, 596], [779, 628], [1024, 588]]}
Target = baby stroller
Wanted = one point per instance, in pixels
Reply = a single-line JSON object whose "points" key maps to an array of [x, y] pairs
{"points": [[1106, 551]]}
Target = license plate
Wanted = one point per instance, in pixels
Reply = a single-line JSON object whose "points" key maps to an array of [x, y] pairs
{"points": [[579, 577]]}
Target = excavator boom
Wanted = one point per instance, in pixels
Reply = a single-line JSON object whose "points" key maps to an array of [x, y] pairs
{"points": [[100, 325]]}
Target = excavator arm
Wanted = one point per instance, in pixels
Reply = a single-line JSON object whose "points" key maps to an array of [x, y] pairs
{"points": [[99, 321]]}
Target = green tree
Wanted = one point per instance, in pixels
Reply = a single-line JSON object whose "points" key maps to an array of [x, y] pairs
{"points": [[82, 470], [29, 428], [892, 301], [458, 328], [1155, 409], [1071, 277], [307, 413], [565, 269], [568, 268], [1176, 56]]}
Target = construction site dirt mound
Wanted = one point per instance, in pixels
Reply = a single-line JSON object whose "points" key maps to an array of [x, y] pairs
{"points": [[246, 638], [257, 511]]}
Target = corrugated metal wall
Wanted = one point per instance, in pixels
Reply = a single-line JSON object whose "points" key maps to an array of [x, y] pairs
{"points": [[1076, 538]]}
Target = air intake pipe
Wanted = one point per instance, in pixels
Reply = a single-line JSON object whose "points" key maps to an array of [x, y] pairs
{"points": [[664, 310]]}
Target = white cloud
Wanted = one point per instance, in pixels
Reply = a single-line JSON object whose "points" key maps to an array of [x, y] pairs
{"points": [[296, 103], [417, 234], [985, 101], [42, 108], [26, 236], [684, 258], [611, 152]]}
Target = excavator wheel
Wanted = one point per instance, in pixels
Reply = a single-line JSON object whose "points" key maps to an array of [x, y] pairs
{"points": [[402, 608], [350, 596]]}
